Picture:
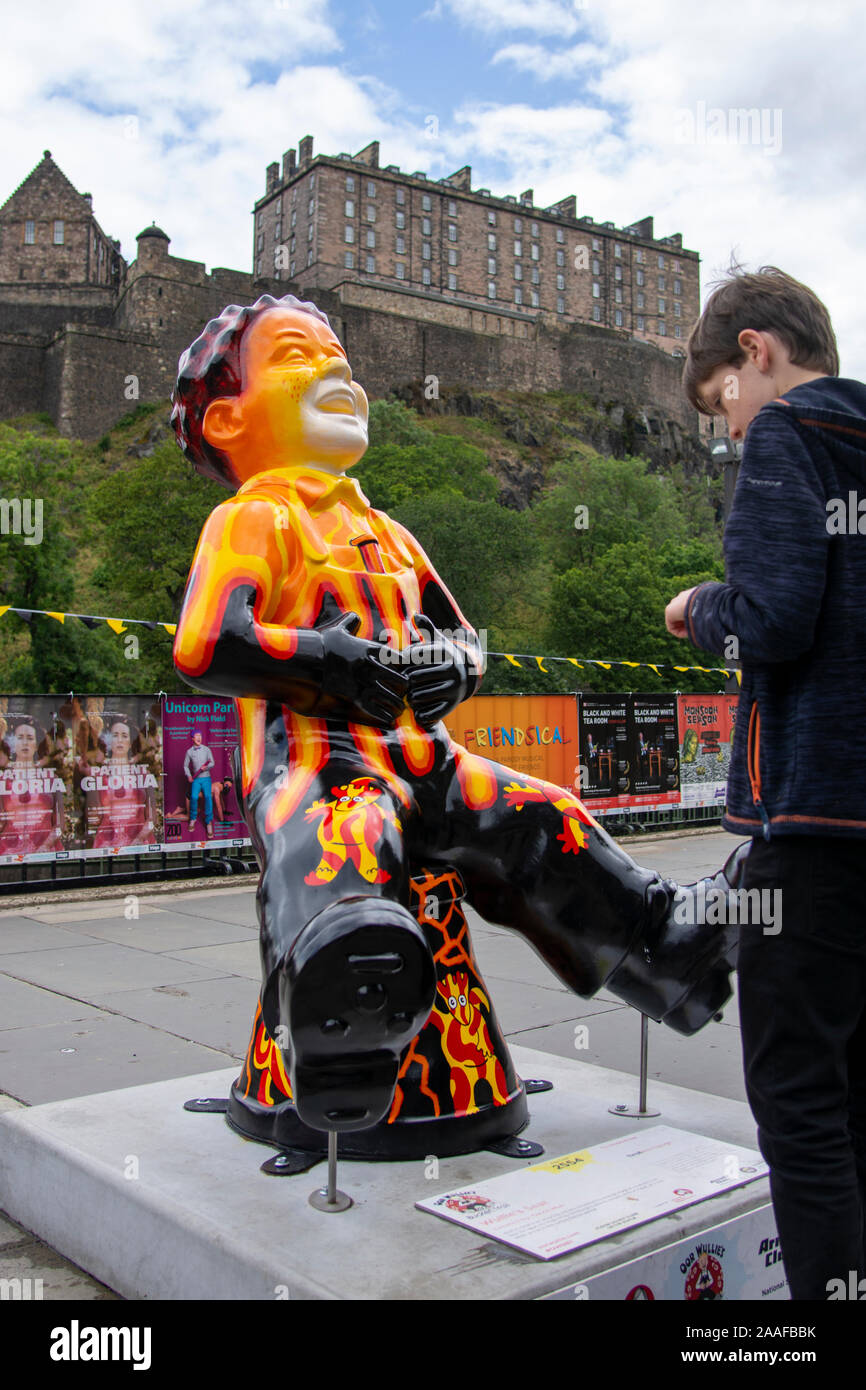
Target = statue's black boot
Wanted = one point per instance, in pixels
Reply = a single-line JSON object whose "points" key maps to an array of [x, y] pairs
{"points": [[356, 987]]}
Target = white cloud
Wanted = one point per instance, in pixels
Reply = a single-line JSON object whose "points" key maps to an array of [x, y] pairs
{"points": [[547, 65]]}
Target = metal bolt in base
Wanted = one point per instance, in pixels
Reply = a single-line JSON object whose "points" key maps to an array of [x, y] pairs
{"points": [[330, 1198]]}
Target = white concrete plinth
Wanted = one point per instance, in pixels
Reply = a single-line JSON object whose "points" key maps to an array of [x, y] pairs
{"points": [[159, 1202]]}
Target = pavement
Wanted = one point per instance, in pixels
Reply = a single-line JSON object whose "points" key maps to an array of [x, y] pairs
{"points": [[105, 988]]}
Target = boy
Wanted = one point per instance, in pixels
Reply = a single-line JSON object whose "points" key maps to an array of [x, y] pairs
{"points": [[344, 650], [763, 355]]}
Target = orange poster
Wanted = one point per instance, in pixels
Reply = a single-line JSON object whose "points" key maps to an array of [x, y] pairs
{"points": [[534, 734]]}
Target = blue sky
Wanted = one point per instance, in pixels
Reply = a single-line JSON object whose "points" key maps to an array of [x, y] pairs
{"points": [[171, 113]]}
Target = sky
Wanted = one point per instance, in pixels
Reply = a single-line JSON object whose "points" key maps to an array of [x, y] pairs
{"points": [[171, 112]]}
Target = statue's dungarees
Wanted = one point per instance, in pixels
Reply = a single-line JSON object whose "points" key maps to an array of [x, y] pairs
{"points": [[337, 807]]}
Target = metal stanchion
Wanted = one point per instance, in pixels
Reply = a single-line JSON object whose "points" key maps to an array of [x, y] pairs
{"points": [[640, 1110], [330, 1198]]}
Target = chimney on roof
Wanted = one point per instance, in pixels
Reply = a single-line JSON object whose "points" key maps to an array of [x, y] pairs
{"points": [[305, 151], [567, 207], [369, 155], [526, 197], [462, 179], [288, 165], [272, 177]]}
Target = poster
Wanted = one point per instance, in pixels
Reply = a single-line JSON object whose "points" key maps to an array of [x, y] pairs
{"points": [[739, 1260], [605, 751], [655, 753], [199, 737], [567, 1202], [706, 733], [534, 734], [117, 747], [37, 805]]}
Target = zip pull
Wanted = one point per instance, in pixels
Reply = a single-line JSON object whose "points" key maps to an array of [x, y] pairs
{"points": [[762, 810]]}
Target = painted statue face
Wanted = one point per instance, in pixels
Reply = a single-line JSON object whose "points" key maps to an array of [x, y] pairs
{"points": [[25, 743], [196, 738], [120, 741], [299, 404]]}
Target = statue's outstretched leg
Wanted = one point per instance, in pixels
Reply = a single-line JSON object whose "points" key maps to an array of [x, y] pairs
{"points": [[534, 859]]}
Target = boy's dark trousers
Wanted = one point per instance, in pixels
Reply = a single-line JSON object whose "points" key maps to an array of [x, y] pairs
{"points": [[803, 1015]]}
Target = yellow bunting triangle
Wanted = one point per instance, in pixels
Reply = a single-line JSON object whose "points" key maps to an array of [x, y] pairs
{"points": [[5, 609], [541, 666], [61, 617], [512, 660], [574, 661], [171, 628], [739, 678], [605, 664], [116, 625], [654, 668]]}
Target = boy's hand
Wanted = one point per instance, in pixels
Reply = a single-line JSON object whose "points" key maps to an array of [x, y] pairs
{"points": [[440, 683], [675, 612], [354, 671]]}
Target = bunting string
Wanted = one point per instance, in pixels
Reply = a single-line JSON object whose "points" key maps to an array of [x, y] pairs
{"points": [[518, 659]]}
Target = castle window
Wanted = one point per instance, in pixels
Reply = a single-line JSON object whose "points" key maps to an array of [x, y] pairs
{"points": [[536, 276], [292, 268], [617, 249], [641, 302], [535, 300], [401, 270], [617, 318], [452, 208], [596, 266], [640, 323], [661, 306], [452, 282], [310, 206], [617, 272], [560, 282], [617, 295], [678, 332], [518, 245], [426, 226], [371, 239], [371, 213], [560, 306], [401, 220], [491, 241], [452, 257], [596, 313], [400, 246], [638, 255], [596, 289], [349, 235], [534, 228], [676, 265], [426, 250], [661, 282], [295, 216], [426, 203], [596, 244], [518, 271], [518, 295], [350, 210], [260, 241], [678, 286], [560, 234], [639, 277], [348, 260], [452, 232], [371, 190], [371, 264], [678, 309], [310, 256], [534, 251], [58, 233], [310, 232], [491, 219], [661, 262], [663, 332], [400, 195], [350, 184], [518, 224], [425, 275], [560, 258]]}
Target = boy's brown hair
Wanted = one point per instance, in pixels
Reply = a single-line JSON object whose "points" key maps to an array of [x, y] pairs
{"points": [[768, 301]]}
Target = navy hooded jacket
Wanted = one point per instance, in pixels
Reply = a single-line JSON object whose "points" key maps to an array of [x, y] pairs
{"points": [[795, 599]]}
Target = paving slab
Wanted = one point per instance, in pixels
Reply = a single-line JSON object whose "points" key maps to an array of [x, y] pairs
{"points": [[103, 966], [711, 1060], [231, 958], [193, 1218], [43, 1064], [26, 1006], [162, 931], [215, 1013], [19, 935]]}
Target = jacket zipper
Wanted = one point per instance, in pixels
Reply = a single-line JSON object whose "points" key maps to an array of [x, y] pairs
{"points": [[754, 765]]}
